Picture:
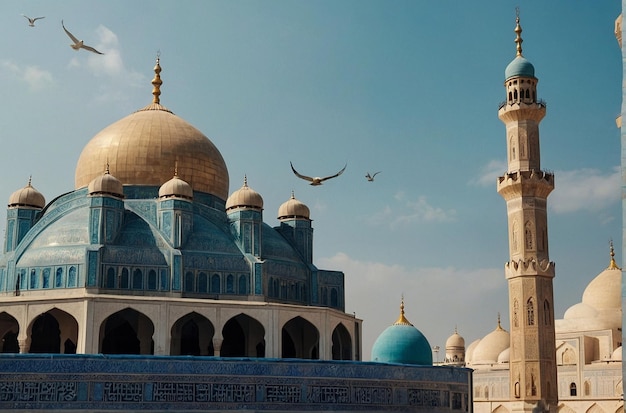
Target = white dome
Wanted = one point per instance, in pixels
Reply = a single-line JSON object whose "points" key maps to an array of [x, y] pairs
{"points": [[605, 291], [580, 310], [490, 347], [455, 341], [505, 356], [470, 351], [617, 354]]}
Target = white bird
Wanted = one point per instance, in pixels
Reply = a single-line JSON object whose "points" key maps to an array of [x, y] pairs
{"points": [[316, 180], [371, 177], [78, 44], [31, 22]]}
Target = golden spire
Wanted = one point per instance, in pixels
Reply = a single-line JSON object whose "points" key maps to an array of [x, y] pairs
{"points": [[157, 82], [612, 264], [518, 31], [402, 319], [499, 327], [293, 196], [245, 180], [30, 180]]}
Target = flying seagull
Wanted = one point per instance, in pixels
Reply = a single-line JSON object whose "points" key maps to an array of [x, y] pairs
{"points": [[371, 177], [316, 180], [31, 22], [78, 44]]}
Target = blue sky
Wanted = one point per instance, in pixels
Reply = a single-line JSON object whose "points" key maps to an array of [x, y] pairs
{"points": [[410, 88]]}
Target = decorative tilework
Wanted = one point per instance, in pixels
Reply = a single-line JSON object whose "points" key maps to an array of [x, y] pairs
{"points": [[144, 383]]}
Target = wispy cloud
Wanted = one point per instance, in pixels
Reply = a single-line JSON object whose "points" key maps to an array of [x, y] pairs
{"points": [[436, 298], [585, 189], [35, 77], [489, 173], [410, 211]]}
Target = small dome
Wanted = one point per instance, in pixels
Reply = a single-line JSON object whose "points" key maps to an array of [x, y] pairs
{"points": [[106, 184], [520, 66], [469, 353], [27, 197], [490, 347], [176, 188], [293, 209], [244, 197], [402, 343], [580, 310], [455, 341], [505, 356], [617, 354]]}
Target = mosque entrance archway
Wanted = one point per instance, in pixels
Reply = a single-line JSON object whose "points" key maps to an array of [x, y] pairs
{"points": [[192, 335], [342, 343], [300, 339], [127, 332], [54, 331], [243, 337], [9, 328]]}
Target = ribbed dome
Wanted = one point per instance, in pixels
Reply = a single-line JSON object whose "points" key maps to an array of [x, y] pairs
{"points": [[142, 148], [402, 343], [293, 209], [106, 184], [519, 67], [490, 347], [244, 197], [27, 197], [176, 188]]}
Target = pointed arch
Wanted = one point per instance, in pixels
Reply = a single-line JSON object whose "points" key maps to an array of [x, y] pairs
{"points": [[9, 329], [501, 409], [192, 334], [342, 343], [300, 339], [50, 331], [244, 336], [126, 332], [530, 312], [595, 409]]}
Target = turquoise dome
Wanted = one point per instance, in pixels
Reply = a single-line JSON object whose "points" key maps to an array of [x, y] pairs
{"points": [[519, 67], [402, 343]]}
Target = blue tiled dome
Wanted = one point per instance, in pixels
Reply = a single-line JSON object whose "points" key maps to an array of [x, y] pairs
{"points": [[519, 67], [402, 343]]}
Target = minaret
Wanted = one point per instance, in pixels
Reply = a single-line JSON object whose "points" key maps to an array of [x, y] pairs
{"points": [[525, 188]]}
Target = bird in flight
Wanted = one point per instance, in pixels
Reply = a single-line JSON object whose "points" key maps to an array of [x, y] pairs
{"points": [[31, 22], [78, 44], [316, 180], [371, 177]]}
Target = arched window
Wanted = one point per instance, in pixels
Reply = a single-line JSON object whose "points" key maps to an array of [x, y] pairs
{"points": [[216, 286], [527, 93], [486, 392], [110, 281], [572, 389], [587, 388], [71, 277], [230, 284], [515, 94], [152, 280], [530, 312], [324, 296], [58, 278], [124, 278], [243, 284], [137, 279], [510, 96], [189, 282], [33, 279], [203, 283], [528, 237], [45, 278], [515, 313]]}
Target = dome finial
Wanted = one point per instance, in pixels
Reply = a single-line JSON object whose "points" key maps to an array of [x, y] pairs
{"points": [[30, 181], [176, 168], [518, 31], [402, 319], [499, 326], [612, 264], [245, 180], [157, 82]]}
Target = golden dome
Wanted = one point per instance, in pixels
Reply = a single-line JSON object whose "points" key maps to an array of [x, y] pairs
{"points": [[27, 197], [106, 184], [176, 187], [141, 149], [245, 197], [293, 209]]}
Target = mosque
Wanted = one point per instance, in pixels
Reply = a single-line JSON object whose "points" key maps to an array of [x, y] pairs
{"points": [[150, 287]]}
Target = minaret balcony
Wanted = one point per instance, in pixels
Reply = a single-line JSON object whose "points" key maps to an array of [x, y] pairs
{"points": [[519, 110], [529, 267], [525, 183]]}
